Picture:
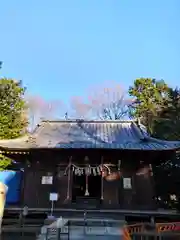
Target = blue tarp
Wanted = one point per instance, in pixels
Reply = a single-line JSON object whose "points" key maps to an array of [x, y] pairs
{"points": [[13, 181]]}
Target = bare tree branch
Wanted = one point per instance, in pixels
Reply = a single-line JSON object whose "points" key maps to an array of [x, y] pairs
{"points": [[39, 109], [106, 102]]}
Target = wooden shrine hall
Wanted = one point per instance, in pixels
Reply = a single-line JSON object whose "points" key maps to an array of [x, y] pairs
{"points": [[89, 164]]}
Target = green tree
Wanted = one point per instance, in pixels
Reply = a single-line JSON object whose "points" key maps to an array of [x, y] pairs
{"points": [[166, 175], [149, 98], [159, 108], [4, 162], [167, 125], [13, 121]]}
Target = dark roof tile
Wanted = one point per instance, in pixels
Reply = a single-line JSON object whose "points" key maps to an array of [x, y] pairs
{"points": [[90, 134]]}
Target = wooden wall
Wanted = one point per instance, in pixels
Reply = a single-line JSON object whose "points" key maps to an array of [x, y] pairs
{"points": [[36, 194]]}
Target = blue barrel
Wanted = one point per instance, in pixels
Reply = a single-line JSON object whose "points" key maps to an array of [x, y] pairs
{"points": [[13, 181]]}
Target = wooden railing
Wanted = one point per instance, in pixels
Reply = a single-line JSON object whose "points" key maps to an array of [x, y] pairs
{"points": [[161, 231]]}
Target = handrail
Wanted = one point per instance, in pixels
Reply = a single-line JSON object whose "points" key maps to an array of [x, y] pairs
{"points": [[168, 227], [145, 228], [126, 234]]}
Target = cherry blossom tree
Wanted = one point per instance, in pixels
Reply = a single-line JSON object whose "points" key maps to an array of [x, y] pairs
{"points": [[40, 109], [106, 102]]}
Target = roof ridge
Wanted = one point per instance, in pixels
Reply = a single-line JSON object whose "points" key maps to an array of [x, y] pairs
{"points": [[139, 126], [87, 121]]}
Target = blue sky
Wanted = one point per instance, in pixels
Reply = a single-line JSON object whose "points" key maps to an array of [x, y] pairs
{"points": [[61, 47]]}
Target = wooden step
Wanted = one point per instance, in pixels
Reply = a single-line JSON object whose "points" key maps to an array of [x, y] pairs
{"points": [[87, 202]]}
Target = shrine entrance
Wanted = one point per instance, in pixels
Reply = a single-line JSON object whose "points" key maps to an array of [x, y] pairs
{"points": [[88, 187], [87, 182]]}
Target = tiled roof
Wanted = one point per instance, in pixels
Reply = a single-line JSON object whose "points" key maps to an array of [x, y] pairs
{"points": [[90, 134]]}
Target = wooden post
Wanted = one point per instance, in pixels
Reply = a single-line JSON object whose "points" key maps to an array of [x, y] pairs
{"points": [[69, 178], [3, 191], [87, 179], [102, 180], [87, 169], [119, 165]]}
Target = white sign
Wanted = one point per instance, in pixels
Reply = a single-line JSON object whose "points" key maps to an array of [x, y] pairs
{"points": [[53, 197], [47, 180], [127, 183]]}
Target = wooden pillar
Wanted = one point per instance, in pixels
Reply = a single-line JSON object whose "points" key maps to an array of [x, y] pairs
{"points": [[102, 181], [23, 185], [87, 172], [64, 192], [127, 191], [110, 187], [126, 185], [69, 183], [144, 183]]}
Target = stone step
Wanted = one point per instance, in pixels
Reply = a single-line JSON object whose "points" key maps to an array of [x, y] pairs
{"points": [[81, 232], [79, 229]]}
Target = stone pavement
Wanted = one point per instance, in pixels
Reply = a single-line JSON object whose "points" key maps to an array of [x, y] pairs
{"points": [[95, 229]]}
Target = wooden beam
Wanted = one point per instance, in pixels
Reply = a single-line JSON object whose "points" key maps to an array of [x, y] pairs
{"points": [[14, 152]]}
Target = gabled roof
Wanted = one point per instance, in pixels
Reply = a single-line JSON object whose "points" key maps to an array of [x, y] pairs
{"points": [[89, 134]]}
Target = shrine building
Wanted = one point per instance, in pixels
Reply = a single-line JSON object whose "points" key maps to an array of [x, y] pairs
{"points": [[88, 164]]}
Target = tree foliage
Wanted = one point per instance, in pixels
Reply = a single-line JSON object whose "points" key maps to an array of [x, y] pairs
{"points": [[149, 98], [167, 125], [166, 176], [13, 119], [4, 162], [158, 106]]}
